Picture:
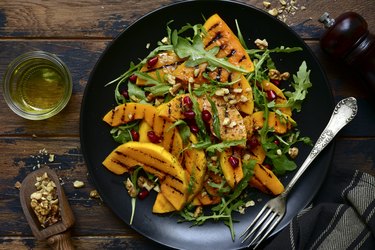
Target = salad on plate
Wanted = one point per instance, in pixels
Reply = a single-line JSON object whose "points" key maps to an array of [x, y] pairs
{"points": [[203, 119]]}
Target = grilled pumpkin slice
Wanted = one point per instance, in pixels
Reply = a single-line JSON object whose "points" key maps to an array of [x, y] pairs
{"points": [[172, 110], [162, 205], [219, 34], [155, 160], [281, 124], [268, 180], [124, 113], [127, 112]]}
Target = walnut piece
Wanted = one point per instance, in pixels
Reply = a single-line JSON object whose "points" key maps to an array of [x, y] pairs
{"points": [[45, 202]]}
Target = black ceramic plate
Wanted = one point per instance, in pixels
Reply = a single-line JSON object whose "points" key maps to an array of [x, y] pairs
{"points": [[130, 46]]}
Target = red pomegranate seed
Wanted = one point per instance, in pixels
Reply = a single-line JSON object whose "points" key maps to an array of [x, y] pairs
{"points": [[267, 166], [133, 78], [206, 116], [152, 61], [253, 142], [277, 142], [187, 102], [125, 93], [276, 82], [271, 95], [194, 128], [234, 162], [189, 114], [135, 135], [143, 194], [153, 137]]}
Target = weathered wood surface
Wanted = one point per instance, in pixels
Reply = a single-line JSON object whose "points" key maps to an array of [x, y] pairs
{"points": [[78, 32]]}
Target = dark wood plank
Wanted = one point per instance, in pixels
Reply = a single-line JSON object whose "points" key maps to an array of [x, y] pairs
{"points": [[85, 242], [57, 19]]}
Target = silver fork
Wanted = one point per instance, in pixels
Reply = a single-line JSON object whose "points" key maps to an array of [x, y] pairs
{"points": [[274, 210]]}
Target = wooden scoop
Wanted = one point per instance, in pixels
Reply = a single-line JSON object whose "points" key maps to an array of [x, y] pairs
{"points": [[57, 235]]}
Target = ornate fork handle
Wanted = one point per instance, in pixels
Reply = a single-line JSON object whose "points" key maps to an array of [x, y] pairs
{"points": [[343, 113]]}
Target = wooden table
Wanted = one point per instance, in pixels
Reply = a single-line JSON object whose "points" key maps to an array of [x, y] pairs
{"points": [[78, 32]]}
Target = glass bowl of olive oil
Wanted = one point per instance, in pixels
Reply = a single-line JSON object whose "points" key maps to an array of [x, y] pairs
{"points": [[37, 85]]}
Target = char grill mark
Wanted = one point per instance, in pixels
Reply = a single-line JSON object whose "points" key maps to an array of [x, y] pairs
{"points": [[214, 39]]}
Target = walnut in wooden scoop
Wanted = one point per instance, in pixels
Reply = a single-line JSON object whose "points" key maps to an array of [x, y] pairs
{"points": [[56, 228]]}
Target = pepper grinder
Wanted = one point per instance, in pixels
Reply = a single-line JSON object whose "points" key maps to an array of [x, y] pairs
{"points": [[347, 39]]}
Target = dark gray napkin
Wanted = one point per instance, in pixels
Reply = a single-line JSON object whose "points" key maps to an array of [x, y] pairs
{"points": [[342, 216]]}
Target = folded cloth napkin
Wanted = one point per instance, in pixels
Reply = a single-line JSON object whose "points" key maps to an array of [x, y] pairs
{"points": [[342, 216]]}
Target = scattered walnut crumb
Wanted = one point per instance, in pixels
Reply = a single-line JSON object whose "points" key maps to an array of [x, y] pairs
{"points": [[266, 4], [94, 194], [261, 44], [273, 12], [282, 9], [78, 184], [17, 185], [293, 152]]}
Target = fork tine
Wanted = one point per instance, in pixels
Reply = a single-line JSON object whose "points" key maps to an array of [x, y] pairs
{"points": [[257, 222], [268, 231], [254, 221], [265, 226]]}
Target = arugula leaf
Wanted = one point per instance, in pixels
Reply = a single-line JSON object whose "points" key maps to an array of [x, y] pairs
{"points": [[198, 117], [134, 178], [215, 118], [149, 80], [135, 91], [240, 36], [158, 90], [183, 128], [121, 134], [281, 163], [224, 145], [196, 53], [301, 85]]}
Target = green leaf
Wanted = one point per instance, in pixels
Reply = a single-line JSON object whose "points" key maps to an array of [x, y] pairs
{"points": [[135, 91], [301, 85], [158, 90], [196, 53], [224, 145], [149, 80], [215, 118], [121, 134], [183, 128]]}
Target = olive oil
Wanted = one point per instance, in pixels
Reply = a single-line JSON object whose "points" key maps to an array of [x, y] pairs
{"points": [[38, 87]]}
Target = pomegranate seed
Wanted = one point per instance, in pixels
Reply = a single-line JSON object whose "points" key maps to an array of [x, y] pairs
{"points": [[125, 93], [194, 128], [153, 137], [276, 82], [187, 102], [206, 116], [189, 114], [152, 61], [271, 95], [143, 194], [234, 162], [267, 166], [277, 142], [135, 135], [133, 78], [253, 142]]}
